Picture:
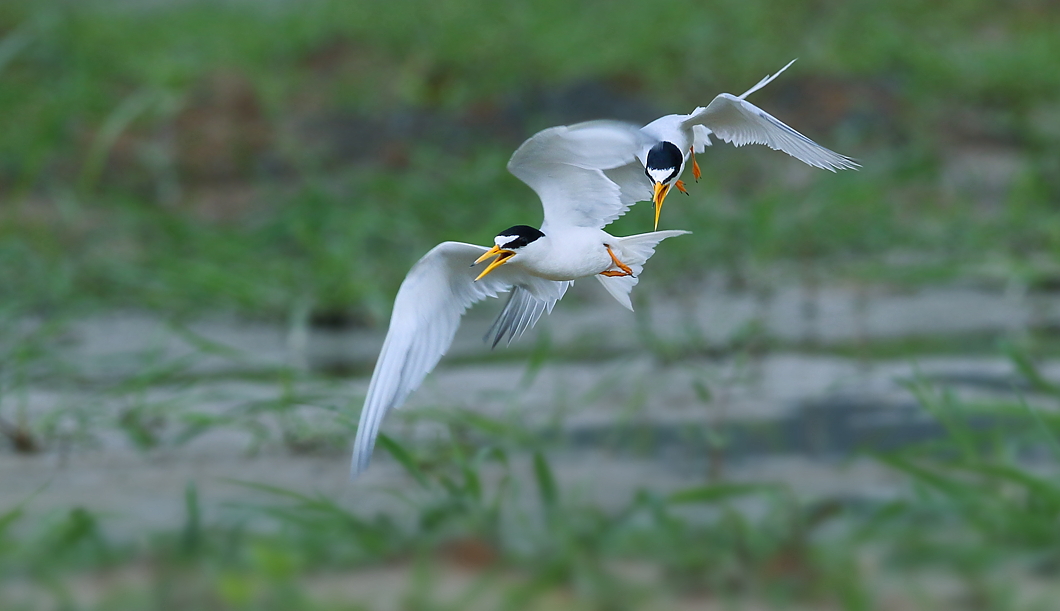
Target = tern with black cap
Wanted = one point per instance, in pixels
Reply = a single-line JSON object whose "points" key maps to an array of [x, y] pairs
{"points": [[536, 266], [661, 149], [677, 138]]}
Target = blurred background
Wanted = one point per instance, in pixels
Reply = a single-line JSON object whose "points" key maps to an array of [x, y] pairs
{"points": [[839, 393]]}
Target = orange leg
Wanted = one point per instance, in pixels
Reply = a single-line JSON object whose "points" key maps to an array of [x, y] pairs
{"points": [[695, 166], [681, 187], [626, 271]]}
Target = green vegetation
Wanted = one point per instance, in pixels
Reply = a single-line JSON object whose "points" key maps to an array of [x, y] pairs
{"points": [[481, 518], [192, 157], [484, 511], [164, 155]]}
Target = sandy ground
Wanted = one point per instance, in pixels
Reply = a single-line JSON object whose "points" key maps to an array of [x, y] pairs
{"points": [[626, 419]]}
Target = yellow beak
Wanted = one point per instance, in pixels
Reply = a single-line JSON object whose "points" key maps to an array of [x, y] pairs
{"points": [[502, 258], [660, 195]]}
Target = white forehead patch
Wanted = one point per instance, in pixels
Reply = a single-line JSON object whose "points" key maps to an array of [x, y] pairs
{"points": [[502, 240], [660, 175]]}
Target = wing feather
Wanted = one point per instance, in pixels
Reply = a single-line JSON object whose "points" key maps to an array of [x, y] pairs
{"points": [[506, 319], [521, 312], [740, 122], [437, 291], [565, 166]]}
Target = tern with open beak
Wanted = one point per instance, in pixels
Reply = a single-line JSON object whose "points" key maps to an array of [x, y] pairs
{"points": [[661, 149], [536, 266]]}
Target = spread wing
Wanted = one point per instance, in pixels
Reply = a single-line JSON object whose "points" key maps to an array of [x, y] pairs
{"points": [[739, 122], [521, 312], [565, 166], [427, 311]]}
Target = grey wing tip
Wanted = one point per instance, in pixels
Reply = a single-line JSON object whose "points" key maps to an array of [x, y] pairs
{"points": [[830, 160], [490, 332], [505, 323], [362, 456], [843, 163], [360, 463]]}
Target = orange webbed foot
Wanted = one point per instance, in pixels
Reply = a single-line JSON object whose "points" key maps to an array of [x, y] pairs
{"points": [[695, 167], [681, 187], [626, 271]]}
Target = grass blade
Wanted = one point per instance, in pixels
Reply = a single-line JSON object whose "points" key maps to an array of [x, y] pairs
{"points": [[403, 457], [1030, 372], [546, 483], [1047, 433]]}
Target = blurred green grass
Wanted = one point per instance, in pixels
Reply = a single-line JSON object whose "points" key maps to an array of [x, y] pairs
{"points": [[108, 201], [484, 511], [154, 155]]}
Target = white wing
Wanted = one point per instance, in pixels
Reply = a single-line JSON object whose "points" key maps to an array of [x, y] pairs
{"points": [[565, 166], [737, 121], [521, 312], [427, 311], [740, 122]]}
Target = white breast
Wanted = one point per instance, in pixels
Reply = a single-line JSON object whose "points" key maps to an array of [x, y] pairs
{"points": [[567, 254]]}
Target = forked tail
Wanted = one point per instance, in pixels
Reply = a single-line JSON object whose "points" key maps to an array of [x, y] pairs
{"points": [[768, 79], [634, 251]]}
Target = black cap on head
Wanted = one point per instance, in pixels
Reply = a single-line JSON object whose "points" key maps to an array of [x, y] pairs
{"points": [[664, 156], [517, 236]]}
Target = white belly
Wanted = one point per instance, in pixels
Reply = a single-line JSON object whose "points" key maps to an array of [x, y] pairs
{"points": [[574, 252]]}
